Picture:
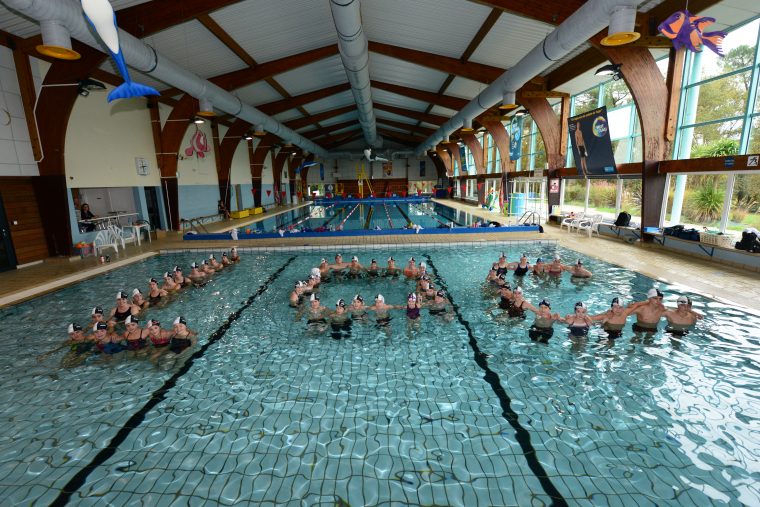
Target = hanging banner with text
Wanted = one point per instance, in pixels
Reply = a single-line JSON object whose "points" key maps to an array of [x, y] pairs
{"points": [[515, 138], [592, 147], [463, 158], [422, 168]]}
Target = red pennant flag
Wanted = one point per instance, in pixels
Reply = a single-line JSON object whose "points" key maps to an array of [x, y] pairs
{"points": [[313, 194], [419, 192], [299, 194], [403, 193], [344, 194], [269, 192], [372, 194], [450, 190], [283, 193], [254, 190], [480, 185]]}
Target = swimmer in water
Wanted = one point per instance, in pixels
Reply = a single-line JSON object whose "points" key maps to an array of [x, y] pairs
{"points": [[425, 290], [107, 342], [578, 322], [180, 278], [681, 319], [317, 315], [197, 275], [648, 313], [158, 337], [135, 337], [539, 268], [169, 284], [78, 344], [392, 270], [206, 268], [613, 320], [578, 271], [213, 263], [182, 339], [296, 297], [139, 300], [492, 276], [234, 257], [316, 275], [338, 265], [555, 268], [381, 309], [324, 269], [355, 269], [123, 308], [440, 306], [373, 270], [519, 304], [357, 309], [502, 266], [411, 271], [155, 293], [542, 328], [522, 267], [226, 260], [340, 322]]}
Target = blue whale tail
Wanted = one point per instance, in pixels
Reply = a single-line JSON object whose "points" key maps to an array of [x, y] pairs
{"points": [[131, 89]]}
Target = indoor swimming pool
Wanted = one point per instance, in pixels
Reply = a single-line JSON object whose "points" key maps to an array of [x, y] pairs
{"points": [[462, 411]]}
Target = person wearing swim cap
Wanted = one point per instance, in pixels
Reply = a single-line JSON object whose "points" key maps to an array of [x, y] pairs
{"points": [[425, 290], [506, 296], [613, 320], [225, 260], [182, 338], [521, 267], [382, 309], [206, 267], [324, 269], [316, 275], [234, 256], [648, 313], [96, 315], [539, 268], [338, 266], [411, 270], [159, 338], [155, 293], [139, 300], [373, 270], [519, 304], [213, 263], [681, 319], [355, 269], [123, 308], [555, 267], [440, 306], [492, 276], [542, 328], [391, 269], [169, 284], [422, 271], [502, 266], [316, 315], [296, 296], [578, 322], [197, 275], [135, 336], [340, 323], [77, 343], [579, 271], [180, 278], [357, 309], [107, 342]]}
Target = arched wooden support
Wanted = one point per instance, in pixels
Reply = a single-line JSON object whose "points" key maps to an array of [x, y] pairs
{"points": [[258, 156], [553, 130], [445, 158], [650, 94], [440, 168], [293, 163], [278, 164], [225, 152], [501, 139], [305, 170], [477, 151], [456, 159]]}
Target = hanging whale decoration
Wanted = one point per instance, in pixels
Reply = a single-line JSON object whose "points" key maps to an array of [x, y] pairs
{"points": [[100, 15]]}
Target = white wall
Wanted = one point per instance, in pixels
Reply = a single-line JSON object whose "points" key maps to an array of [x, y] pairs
{"points": [[103, 140], [240, 172], [16, 156], [192, 169]]}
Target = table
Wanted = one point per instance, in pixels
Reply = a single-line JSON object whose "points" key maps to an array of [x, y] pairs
{"points": [[137, 228]]}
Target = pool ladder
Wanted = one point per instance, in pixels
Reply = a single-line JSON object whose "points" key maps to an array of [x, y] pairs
{"points": [[532, 217]]}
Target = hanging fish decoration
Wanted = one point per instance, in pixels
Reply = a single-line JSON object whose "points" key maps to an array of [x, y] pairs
{"points": [[100, 15], [687, 30], [198, 144]]}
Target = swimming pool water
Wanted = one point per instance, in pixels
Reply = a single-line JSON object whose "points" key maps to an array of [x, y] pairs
{"points": [[271, 413], [385, 214]]}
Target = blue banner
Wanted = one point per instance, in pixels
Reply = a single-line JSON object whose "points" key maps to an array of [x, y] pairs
{"points": [[422, 168], [321, 172], [515, 138], [463, 158]]}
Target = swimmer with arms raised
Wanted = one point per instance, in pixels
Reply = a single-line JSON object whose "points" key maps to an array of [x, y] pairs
{"points": [[682, 319], [542, 328], [648, 313], [613, 320]]}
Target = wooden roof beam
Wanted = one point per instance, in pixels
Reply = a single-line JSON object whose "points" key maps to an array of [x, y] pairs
{"points": [[552, 12], [433, 119], [446, 101]]}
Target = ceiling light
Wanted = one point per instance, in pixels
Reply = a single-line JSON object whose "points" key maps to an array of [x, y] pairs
{"points": [[56, 41], [87, 85], [197, 120], [520, 113], [622, 26], [205, 108], [612, 69], [509, 101], [247, 136]]}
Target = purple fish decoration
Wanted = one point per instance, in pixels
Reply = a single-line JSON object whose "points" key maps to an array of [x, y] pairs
{"points": [[686, 30]]}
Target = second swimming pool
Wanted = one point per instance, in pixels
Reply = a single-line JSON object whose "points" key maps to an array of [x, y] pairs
{"points": [[462, 412]]}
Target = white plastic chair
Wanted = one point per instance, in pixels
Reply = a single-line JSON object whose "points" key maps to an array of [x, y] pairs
{"points": [[103, 240], [590, 225], [122, 236], [569, 220], [574, 224]]}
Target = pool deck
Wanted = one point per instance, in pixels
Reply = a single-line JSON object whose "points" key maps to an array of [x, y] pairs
{"points": [[709, 278]]}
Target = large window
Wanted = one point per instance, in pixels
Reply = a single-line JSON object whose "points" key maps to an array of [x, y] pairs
{"points": [[533, 152]]}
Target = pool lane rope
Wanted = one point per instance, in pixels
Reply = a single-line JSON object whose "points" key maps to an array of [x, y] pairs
{"points": [[76, 482], [340, 225], [522, 435], [308, 217], [388, 214]]}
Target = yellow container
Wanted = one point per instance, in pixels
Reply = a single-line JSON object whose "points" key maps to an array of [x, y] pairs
{"points": [[258, 211], [239, 214]]}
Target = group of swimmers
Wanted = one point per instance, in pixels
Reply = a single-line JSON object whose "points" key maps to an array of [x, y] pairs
{"points": [[648, 313], [319, 317], [104, 336]]}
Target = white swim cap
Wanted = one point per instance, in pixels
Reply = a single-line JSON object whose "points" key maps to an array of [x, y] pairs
{"points": [[131, 319], [354, 259], [316, 272], [137, 291], [380, 298], [654, 293], [179, 320]]}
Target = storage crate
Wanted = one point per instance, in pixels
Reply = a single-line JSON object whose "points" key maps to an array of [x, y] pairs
{"points": [[257, 211], [721, 240], [239, 214]]}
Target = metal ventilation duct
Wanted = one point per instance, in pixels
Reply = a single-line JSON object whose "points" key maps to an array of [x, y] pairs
{"points": [[142, 57]]}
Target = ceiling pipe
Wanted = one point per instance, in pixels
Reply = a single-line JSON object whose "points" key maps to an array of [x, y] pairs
{"points": [[354, 53], [144, 58], [588, 20]]}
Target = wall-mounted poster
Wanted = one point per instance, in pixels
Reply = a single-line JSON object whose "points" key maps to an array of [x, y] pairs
{"points": [[554, 185], [422, 168], [515, 138], [592, 147]]}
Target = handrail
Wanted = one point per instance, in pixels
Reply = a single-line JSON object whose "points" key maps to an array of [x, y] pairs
{"points": [[532, 215]]}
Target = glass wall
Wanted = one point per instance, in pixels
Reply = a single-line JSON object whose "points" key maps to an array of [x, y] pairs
{"points": [[533, 152], [719, 116]]}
